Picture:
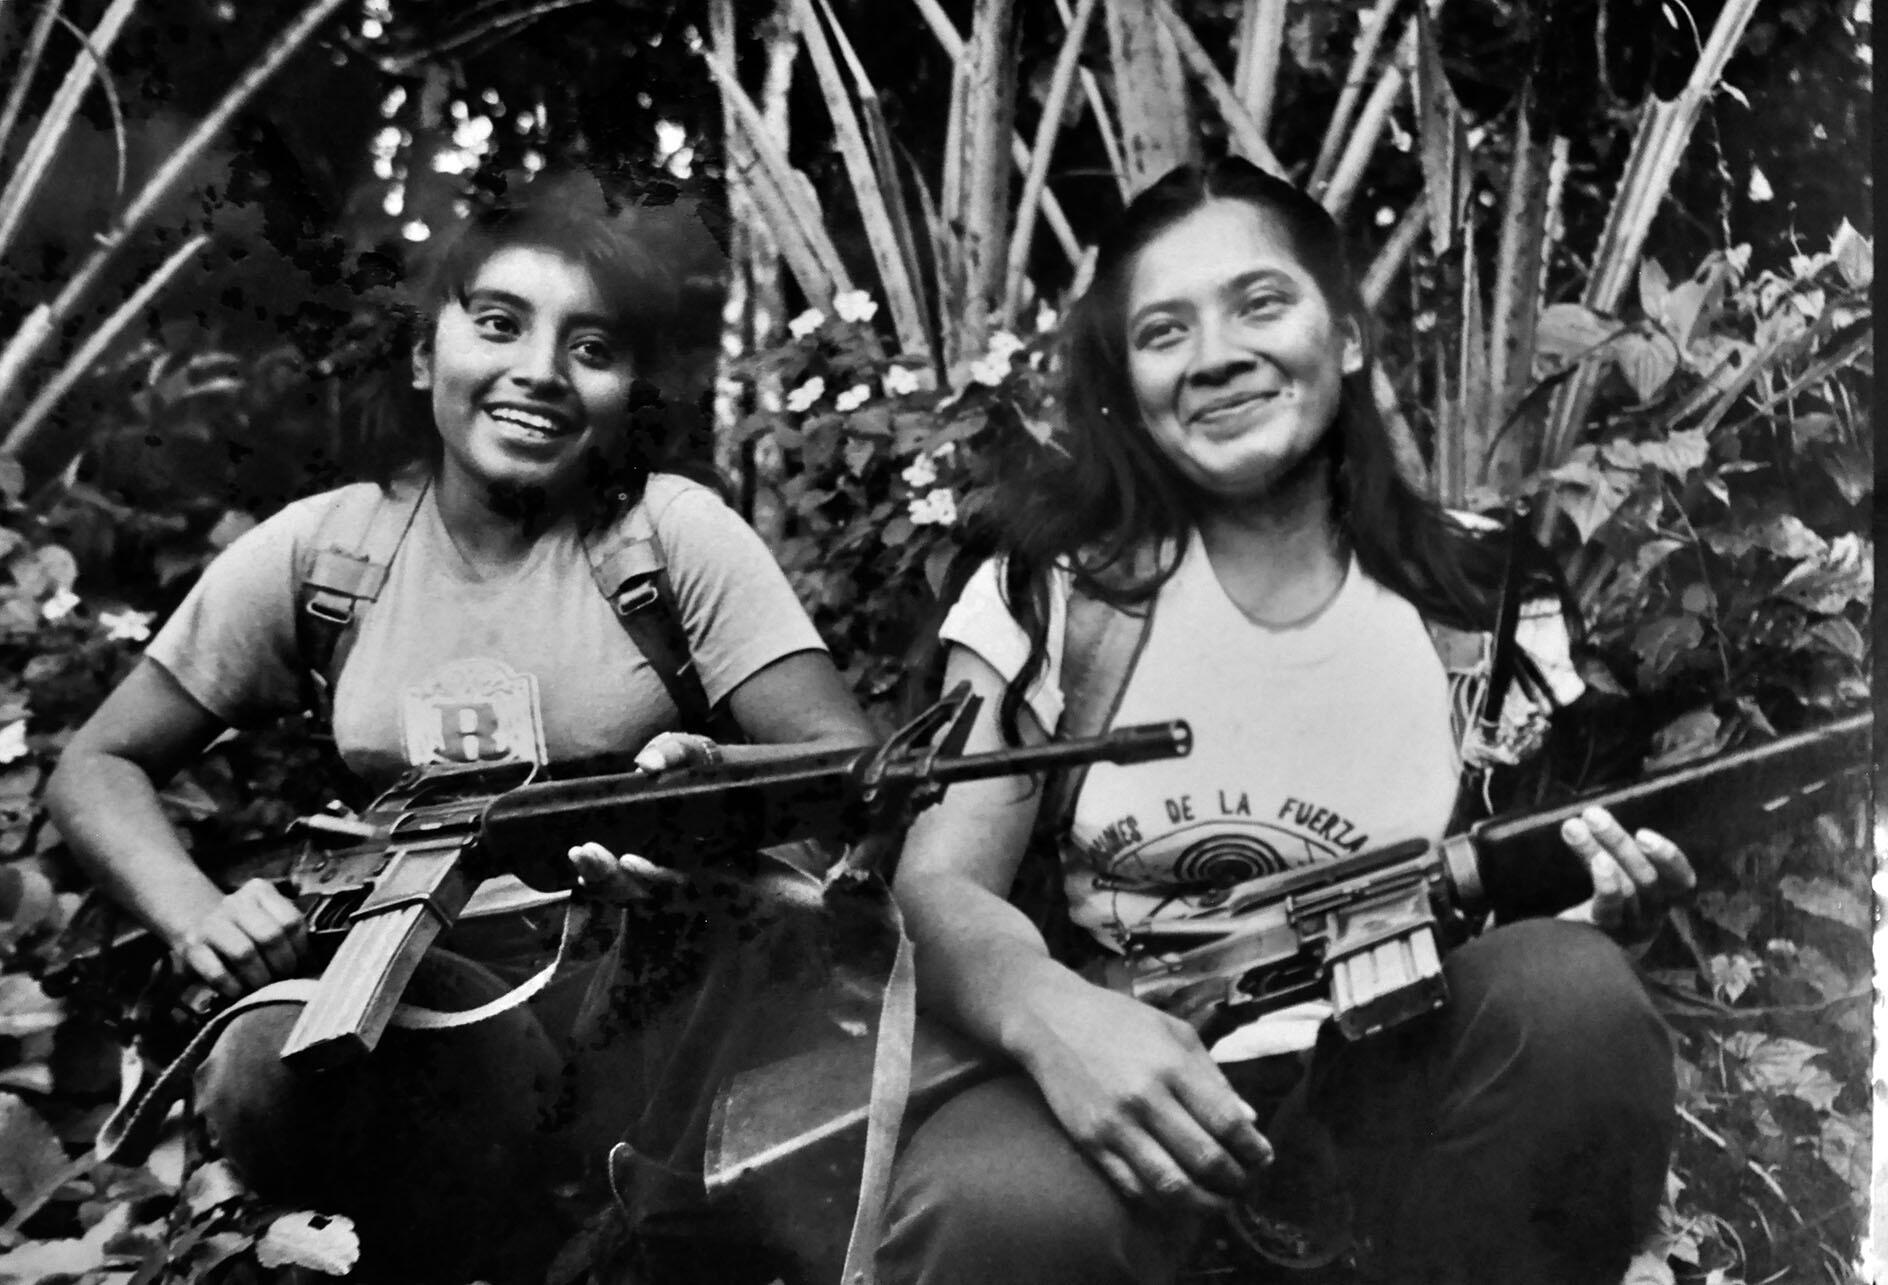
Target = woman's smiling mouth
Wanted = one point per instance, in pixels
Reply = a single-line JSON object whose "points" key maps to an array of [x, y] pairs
{"points": [[1224, 409], [540, 423]]}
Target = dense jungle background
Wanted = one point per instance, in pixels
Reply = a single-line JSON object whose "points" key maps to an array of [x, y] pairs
{"points": [[1620, 253]]}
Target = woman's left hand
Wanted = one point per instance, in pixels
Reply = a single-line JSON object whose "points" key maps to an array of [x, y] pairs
{"points": [[670, 750], [1635, 876], [618, 879]]}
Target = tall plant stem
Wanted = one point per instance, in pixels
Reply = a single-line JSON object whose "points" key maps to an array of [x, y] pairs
{"points": [[1664, 131], [1104, 124], [1255, 75], [29, 175], [953, 44], [1369, 36], [39, 410], [27, 344], [1042, 151], [25, 70], [1248, 138]]}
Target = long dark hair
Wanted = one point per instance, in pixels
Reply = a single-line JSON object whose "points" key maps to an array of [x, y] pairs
{"points": [[388, 423], [1103, 499]]}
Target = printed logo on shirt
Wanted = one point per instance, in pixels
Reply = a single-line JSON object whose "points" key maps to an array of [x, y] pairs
{"points": [[473, 711], [1188, 860]]}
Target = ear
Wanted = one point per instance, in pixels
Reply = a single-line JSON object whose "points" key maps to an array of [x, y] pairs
{"points": [[422, 365], [1353, 357]]}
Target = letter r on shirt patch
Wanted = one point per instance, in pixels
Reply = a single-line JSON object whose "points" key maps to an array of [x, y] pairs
{"points": [[473, 711]]}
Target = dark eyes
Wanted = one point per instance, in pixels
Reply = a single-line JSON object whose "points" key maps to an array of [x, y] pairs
{"points": [[500, 325], [1162, 332]]}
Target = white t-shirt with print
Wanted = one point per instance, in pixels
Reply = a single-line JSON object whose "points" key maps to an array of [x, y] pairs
{"points": [[1310, 743]]}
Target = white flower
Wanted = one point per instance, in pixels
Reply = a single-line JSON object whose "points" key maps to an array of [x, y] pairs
{"points": [[901, 381], [801, 399], [13, 741], [853, 398], [855, 306], [1004, 344], [60, 605], [991, 370], [938, 508], [126, 625], [1045, 319], [920, 473], [806, 323]]}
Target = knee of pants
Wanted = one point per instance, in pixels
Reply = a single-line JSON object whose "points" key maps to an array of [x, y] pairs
{"points": [[1569, 999], [990, 1189], [416, 1131]]}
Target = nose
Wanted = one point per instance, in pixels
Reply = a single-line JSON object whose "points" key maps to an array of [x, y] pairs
{"points": [[1217, 356], [539, 364]]}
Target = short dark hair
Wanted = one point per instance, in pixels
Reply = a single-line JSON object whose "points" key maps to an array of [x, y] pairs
{"points": [[567, 214], [1102, 495]]}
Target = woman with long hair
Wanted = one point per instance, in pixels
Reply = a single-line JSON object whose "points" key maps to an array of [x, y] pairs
{"points": [[520, 433], [1225, 482]]}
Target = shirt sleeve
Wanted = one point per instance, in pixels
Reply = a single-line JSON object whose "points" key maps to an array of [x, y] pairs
{"points": [[738, 609], [981, 619], [231, 642]]}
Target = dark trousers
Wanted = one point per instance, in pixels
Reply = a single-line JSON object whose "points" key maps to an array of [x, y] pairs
{"points": [[1522, 1134], [444, 1147]]}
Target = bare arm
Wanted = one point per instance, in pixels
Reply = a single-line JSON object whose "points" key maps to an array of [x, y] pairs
{"points": [[103, 798], [1134, 1088]]}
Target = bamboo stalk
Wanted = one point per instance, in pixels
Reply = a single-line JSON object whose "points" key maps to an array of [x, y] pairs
{"points": [[26, 69], [1042, 152], [976, 207], [29, 175], [1337, 194], [1157, 125], [1248, 138], [53, 392], [1098, 104], [887, 254], [121, 151], [1052, 214], [1395, 252], [788, 209], [1518, 269], [1369, 36], [1255, 75], [885, 160], [159, 186], [1664, 131]]}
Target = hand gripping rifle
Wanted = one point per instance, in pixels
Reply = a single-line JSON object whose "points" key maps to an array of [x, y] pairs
{"points": [[1366, 932], [388, 882]]}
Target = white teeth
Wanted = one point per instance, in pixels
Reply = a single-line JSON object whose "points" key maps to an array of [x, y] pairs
{"points": [[525, 419]]}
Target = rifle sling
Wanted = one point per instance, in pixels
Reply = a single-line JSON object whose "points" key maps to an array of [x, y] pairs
{"points": [[130, 1131]]}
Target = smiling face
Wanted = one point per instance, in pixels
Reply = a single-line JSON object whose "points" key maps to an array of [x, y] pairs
{"points": [[526, 372], [1234, 354]]}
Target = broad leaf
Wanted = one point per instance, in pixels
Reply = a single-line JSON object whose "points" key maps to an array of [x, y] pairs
{"points": [[1845, 1149], [1732, 975], [1736, 912], [1567, 332], [1647, 361], [322, 1242], [1659, 643], [31, 1157], [1854, 256], [1777, 1064], [1826, 900]]}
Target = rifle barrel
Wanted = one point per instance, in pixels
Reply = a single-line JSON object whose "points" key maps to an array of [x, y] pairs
{"points": [[1523, 868], [1137, 743]]}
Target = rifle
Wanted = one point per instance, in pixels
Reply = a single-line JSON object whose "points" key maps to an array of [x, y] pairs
{"points": [[1367, 932], [383, 885]]}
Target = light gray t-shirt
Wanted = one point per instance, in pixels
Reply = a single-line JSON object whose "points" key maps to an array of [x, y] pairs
{"points": [[449, 665]]}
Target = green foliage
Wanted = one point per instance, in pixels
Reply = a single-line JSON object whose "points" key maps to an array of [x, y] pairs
{"points": [[871, 469]]}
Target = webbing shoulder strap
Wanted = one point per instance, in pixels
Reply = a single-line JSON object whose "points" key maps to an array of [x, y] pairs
{"points": [[1102, 645], [631, 572], [346, 567]]}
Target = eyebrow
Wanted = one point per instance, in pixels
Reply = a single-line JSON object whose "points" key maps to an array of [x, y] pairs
{"points": [[518, 303], [1244, 281]]}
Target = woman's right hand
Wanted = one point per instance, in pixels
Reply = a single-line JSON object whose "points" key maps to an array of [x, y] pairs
{"points": [[1139, 1094], [251, 937]]}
